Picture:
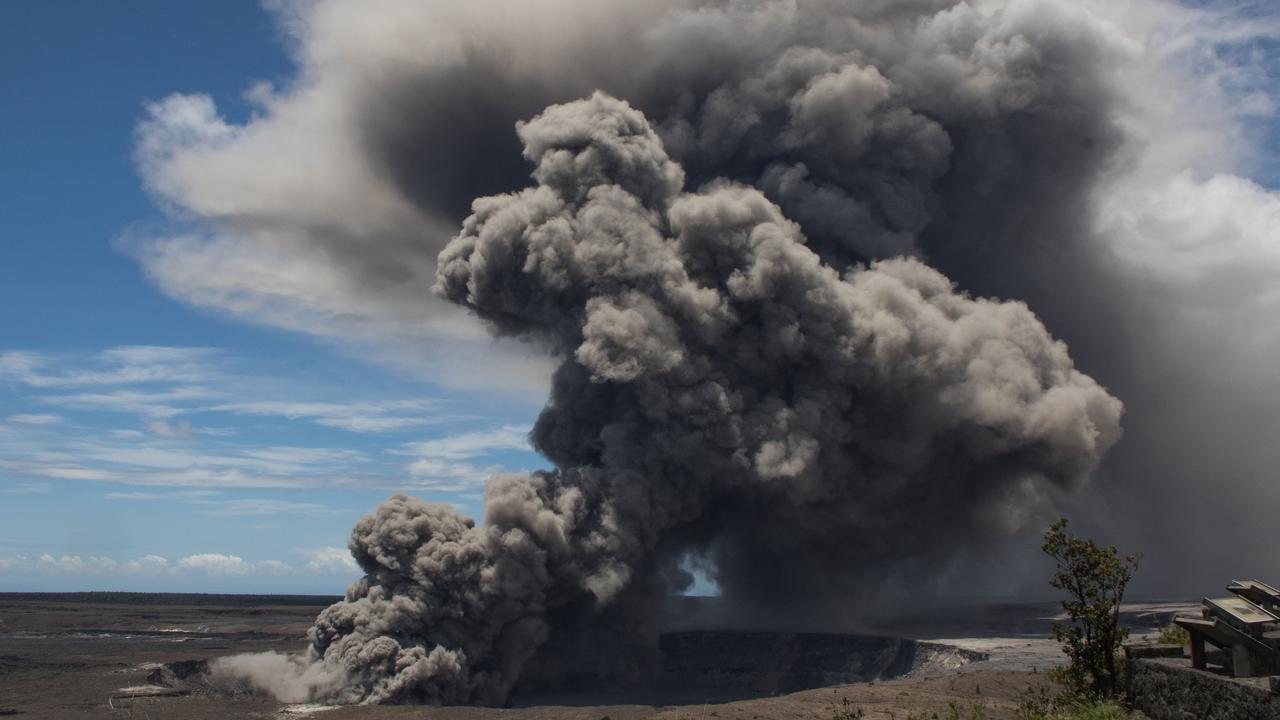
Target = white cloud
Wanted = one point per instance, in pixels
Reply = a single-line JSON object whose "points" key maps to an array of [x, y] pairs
{"points": [[318, 561], [220, 564], [268, 461], [451, 476], [185, 477], [223, 478], [147, 564], [367, 424], [473, 444], [159, 404], [113, 366], [168, 459], [262, 506], [364, 417], [35, 419], [299, 178], [160, 468], [218, 507], [175, 430], [142, 460], [62, 472], [215, 564], [175, 452], [158, 356], [21, 366], [329, 560], [28, 488], [443, 463], [76, 564], [178, 495], [131, 434], [303, 456], [217, 432], [273, 567], [1217, 232]]}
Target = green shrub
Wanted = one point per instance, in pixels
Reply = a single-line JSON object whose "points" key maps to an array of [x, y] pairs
{"points": [[1095, 579], [971, 711], [1105, 710], [955, 711], [1044, 705], [1174, 635], [843, 709]]}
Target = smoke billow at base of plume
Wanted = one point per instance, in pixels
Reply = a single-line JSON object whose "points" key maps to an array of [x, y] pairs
{"points": [[288, 678], [722, 391]]}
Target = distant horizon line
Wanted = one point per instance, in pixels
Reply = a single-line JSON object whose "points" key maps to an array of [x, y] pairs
{"points": [[123, 594]]}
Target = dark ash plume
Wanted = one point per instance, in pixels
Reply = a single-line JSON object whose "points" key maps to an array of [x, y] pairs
{"points": [[722, 391], [729, 390]]}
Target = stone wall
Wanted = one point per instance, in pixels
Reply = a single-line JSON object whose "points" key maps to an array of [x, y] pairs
{"points": [[1168, 688]]}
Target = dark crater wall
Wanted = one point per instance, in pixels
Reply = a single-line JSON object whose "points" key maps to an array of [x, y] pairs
{"points": [[767, 663], [712, 666]]}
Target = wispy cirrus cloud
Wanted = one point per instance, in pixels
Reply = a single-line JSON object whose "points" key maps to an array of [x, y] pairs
{"points": [[114, 366], [197, 477], [471, 444], [361, 417], [303, 457], [190, 380], [33, 419], [60, 472], [171, 436], [173, 430], [135, 415], [212, 504], [177, 495], [446, 463], [262, 506], [325, 561], [27, 488], [157, 404], [267, 461], [135, 458]]}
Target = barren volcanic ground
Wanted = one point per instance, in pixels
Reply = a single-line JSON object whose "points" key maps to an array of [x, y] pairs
{"points": [[91, 655]]}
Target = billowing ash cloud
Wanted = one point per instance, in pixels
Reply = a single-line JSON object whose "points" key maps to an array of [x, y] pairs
{"points": [[721, 390], [730, 266], [860, 119]]}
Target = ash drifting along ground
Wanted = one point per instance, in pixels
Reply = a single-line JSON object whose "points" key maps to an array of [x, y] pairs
{"points": [[725, 255]]}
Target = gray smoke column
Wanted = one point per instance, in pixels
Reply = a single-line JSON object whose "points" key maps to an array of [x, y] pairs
{"points": [[794, 406], [1024, 148], [722, 392]]}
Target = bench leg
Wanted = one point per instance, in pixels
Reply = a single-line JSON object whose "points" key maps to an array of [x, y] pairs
{"points": [[1197, 652], [1240, 662]]}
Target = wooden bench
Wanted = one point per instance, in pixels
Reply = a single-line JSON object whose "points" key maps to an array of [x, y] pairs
{"points": [[1258, 593], [1249, 631]]}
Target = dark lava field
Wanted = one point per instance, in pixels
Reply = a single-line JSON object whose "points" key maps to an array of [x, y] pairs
{"points": [[114, 655]]}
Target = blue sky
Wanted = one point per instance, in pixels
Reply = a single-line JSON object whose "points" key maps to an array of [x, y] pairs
{"points": [[146, 444]]}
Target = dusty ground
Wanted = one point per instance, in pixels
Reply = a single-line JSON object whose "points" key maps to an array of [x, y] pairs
{"points": [[71, 659], [63, 659]]}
